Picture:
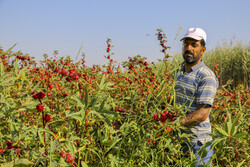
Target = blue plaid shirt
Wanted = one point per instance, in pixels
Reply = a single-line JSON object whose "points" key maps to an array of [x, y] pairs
{"points": [[195, 87]]}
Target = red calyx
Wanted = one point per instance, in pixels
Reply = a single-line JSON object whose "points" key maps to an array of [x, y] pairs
{"points": [[47, 117], [156, 116], [63, 154], [9, 144], [70, 158], [163, 117], [39, 107], [41, 95]]}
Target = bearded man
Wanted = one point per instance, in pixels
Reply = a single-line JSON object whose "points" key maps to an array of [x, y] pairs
{"points": [[196, 87]]}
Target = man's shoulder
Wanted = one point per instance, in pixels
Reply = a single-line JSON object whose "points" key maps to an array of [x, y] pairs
{"points": [[205, 71]]}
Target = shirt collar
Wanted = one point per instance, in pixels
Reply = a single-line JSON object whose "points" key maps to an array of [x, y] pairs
{"points": [[194, 68]]}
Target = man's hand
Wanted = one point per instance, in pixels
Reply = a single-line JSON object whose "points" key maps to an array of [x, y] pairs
{"points": [[197, 116]]}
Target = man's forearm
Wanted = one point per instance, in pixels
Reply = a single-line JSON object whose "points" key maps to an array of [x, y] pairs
{"points": [[195, 117]]}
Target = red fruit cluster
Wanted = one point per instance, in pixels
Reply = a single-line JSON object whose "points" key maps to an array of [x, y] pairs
{"points": [[63, 154], [162, 41], [151, 141], [168, 129], [9, 144], [47, 117], [73, 75], [23, 57], [39, 95], [63, 71], [156, 116], [216, 70], [165, 115], [108, 49], [65, 94], [70, 158], [40, 107]]}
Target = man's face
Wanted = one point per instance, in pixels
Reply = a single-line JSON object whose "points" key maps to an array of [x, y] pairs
{"points": [[192, 51]]}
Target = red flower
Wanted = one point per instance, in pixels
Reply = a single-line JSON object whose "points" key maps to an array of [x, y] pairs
{"points": [[17, 151], [168, 129], [76, 77], [71, 74], [41, 95], [35, 96], [2, 150], [9, 144], [173, 119], [63, 154], [39, 107], [47, 117], [163, 117], [169, 114], [156, 116], [70, 158], [63, 71], [51, 86], [65, 94]]}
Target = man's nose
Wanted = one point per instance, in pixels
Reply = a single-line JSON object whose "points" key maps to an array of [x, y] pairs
{"points": [[188, 47]]}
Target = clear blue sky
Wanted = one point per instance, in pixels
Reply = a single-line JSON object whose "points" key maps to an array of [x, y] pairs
{"points": [[43, 26]]}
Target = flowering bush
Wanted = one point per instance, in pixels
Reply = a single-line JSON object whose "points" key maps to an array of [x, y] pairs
{"points": [[63, 113]]}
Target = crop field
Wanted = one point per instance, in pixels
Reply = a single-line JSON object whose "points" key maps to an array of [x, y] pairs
{"points": [[58, 112]]}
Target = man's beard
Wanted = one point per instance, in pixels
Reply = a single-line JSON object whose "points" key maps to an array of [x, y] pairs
{"points": [[190, 59]]}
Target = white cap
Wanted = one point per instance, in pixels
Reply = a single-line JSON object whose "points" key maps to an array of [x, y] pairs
{"points": [[196, 33]]}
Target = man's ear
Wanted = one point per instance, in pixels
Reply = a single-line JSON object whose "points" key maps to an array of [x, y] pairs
{"points": [[203, 49]]}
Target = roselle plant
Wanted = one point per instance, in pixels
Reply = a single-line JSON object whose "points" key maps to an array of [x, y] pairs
{"points": [[63, 113]]}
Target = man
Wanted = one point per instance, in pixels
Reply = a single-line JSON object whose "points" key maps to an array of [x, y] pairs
{"points": [[196, 86]]}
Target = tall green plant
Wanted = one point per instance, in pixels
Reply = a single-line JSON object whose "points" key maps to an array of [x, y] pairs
{"points": [[233, 63]]}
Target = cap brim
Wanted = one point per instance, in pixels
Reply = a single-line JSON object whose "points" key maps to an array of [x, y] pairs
{"points": [[198, 38]]}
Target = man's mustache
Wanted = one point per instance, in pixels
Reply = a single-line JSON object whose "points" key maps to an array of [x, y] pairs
{"points": [[189, 52]]}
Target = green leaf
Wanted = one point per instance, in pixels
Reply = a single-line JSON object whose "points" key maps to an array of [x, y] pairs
{"points": [[221, 132], [108, 86], [30, 104], [83, 164], [93, 101], [107, 120], [98, 155], [5, 81], [53, 146], [117, 141], [228, 148], [234, 128], [202, 152], [216, 141], [105, 85], [41, 137], [23, 162], [101, 85], [239, 135], [76, 115], [86, 97], [240, 164], [102, 105], [79, 101], [7, 51]]}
